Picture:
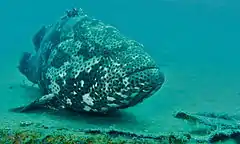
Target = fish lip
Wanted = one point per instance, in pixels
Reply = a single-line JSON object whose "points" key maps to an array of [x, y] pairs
{"points": [[141, 70]]}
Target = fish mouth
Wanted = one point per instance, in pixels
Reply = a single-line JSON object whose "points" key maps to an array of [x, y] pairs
{"points": [[141, 70], [148, 80]]}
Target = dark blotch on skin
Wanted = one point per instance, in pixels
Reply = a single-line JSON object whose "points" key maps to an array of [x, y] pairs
{"points": [[60, 58]]}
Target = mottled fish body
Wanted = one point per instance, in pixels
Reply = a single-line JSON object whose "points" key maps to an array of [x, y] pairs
{"points": [[86, 65]]}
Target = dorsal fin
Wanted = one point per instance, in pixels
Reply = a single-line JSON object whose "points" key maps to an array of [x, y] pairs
{"points": [[37, 38]]}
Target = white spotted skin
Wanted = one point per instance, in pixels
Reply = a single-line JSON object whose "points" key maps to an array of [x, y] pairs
{"points": [[82, 83], [87, 108], [126, 81], [104, 109], [55, 88], [113, 105], [69, 102], [111, 98], [121, 95], [62, 74], [46, 97], [74, 93], [87, 99]]}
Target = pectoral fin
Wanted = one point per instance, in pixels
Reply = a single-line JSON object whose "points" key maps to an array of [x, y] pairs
{"points": [[46, 101]]}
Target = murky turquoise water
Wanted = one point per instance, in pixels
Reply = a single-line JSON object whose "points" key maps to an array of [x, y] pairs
{"points": [[196, 43]]}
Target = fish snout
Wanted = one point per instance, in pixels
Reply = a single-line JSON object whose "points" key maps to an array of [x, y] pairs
{"points": [[145, 82]]}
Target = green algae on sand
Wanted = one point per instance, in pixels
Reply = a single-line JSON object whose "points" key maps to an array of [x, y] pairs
{"points": [[215, 128], [92, 136]]}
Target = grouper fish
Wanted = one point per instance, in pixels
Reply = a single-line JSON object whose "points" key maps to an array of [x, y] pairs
{"points": [[85, 65]]}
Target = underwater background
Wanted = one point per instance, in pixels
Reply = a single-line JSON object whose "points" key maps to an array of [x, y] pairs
{"points": [[195, 42]]}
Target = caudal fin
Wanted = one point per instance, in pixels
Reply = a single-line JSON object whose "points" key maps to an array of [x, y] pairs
{"points": [[23, 66], [28, 68]]}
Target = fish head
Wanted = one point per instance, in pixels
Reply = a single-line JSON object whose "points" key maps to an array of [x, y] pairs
{"points": [[130, 75]]}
